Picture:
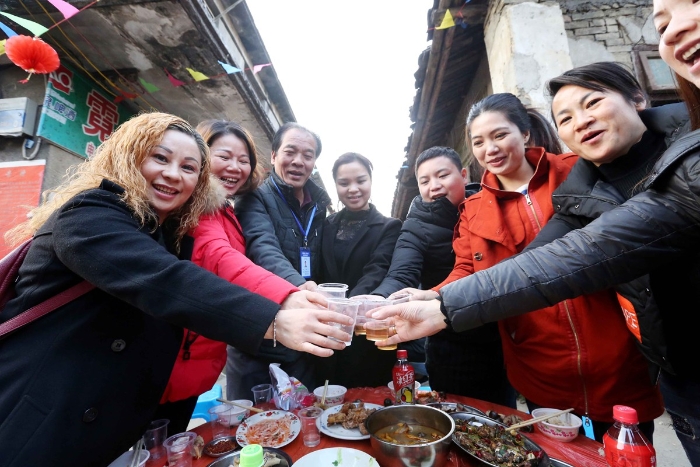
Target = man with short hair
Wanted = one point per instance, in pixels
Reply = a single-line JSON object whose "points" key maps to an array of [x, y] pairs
{"points": [[468, 364], [282, 222]]}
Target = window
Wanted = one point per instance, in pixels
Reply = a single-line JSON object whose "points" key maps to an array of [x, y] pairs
{"points": [[654, 75]]}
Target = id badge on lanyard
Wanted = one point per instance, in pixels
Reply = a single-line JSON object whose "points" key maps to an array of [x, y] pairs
{"points": [[305, 261], [304, 251]]}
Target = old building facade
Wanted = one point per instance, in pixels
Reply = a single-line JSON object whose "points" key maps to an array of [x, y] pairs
{"points": [[516, 46]]}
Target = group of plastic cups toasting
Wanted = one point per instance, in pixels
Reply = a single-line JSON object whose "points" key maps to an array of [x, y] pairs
{"points": [[357, 308]]}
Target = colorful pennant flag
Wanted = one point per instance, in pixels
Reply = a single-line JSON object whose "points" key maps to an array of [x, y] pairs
{"points": [[36, 28], [149, 87], [257, 68], [8, 32], [66, 9], [228, 68], [2, 46], [173, 80], [197, 75], [447, 21]]}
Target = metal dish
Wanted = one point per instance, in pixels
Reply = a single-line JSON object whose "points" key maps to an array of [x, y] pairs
{"points": [[482, 420], [210, 444], [228, 459], [432, 454], [454, 407]]}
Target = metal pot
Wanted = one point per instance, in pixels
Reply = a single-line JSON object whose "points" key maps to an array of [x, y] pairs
{"points": [[432, 454]]}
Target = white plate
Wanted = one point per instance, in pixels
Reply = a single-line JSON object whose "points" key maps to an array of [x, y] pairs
{"points": [[337, 457], [295, 427], [337, 431]]}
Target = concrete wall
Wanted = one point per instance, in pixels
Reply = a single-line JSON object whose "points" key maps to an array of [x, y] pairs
{"points": [[526, 45]]}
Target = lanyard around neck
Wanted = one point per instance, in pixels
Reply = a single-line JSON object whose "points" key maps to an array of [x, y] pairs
{"points": [[301, 227]]}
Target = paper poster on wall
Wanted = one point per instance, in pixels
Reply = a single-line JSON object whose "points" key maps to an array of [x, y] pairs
{"points": [[20, 188], [76, 115]]}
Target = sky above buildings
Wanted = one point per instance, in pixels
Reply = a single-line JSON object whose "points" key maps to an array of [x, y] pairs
{"points": [[347, 69]]}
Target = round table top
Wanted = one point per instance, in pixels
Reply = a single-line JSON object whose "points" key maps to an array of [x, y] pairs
{"points": [[581, 452]]}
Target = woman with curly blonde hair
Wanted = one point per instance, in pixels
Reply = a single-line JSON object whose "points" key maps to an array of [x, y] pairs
{"points": [[80, 385]]}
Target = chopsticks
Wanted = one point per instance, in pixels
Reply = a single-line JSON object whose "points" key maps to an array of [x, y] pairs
{"points": [[323, 399], [136, 456], [539, 419], [239, 405]]}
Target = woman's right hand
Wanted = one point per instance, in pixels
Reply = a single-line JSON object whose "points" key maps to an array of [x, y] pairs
{"points": [[308, 330], [416, 294]]}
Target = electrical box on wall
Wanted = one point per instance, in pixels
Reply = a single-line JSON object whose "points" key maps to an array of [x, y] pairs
{"points": [[17, 116]]}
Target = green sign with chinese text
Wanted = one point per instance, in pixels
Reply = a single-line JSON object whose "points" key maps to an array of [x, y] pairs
{"points": [[76, 115]]}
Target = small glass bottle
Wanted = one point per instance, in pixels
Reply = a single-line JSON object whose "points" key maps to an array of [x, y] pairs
{"points": [[624, 444], [404, 379]]}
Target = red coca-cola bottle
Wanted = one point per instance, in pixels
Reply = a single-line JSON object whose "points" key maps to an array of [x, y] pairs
{"points": [[624, 444], [404, 379]]}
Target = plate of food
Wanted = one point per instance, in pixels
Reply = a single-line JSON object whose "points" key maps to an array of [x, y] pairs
{"points": [[337, 457], [428, 396], [346, 421], [271, 429], [489, 441], [453, 407]]}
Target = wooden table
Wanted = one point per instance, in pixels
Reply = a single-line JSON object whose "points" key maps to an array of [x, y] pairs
{"points": [[581, 452]]}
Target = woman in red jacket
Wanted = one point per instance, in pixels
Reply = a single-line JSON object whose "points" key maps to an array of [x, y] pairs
{"points": [[219, 247], [576, 353]]}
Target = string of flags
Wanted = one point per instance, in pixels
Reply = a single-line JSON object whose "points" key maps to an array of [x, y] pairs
{"points": [[35, 56], [449, 21]]}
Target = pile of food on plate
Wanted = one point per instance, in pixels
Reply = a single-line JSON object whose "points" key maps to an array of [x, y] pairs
{"points": [[351, 415], [495, 444], [429, 397], [508, 420]]}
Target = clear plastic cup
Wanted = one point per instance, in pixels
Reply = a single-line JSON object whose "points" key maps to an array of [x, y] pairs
{"points": [[309, 429], [262, 393], [154, 436], [332, 289], [378, 330], [179, 449], [222, 419], [347, 307], [367, 302]]}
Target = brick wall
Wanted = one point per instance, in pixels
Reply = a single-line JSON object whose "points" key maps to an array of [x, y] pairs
{"points": [[607, 30]]}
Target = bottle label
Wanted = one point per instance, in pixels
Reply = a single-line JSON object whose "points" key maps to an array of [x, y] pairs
{"points": [[404, 381], [628, 455]]}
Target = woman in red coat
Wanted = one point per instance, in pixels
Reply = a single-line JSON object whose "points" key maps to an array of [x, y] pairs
{"points": [[219, 247], [576, 353]]}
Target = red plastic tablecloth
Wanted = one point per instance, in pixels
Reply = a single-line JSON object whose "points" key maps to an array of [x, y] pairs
{"points": [[581, 452]]}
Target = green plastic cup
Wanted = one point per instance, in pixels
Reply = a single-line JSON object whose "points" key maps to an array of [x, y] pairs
{"points": [[251, 456]]}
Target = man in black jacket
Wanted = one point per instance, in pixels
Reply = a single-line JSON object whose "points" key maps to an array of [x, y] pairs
{"points": [[468, 364], [282, 223]]}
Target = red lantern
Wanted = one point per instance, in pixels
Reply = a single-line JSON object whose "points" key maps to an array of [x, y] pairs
{"points": [[32, 55]]}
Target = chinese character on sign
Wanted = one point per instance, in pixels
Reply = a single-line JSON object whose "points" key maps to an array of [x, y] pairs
{"points": [[62, 80], [102, 117], [90, 149]]}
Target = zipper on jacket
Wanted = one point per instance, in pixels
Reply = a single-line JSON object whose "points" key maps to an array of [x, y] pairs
{"points": [[532, 208], [578, 357]]}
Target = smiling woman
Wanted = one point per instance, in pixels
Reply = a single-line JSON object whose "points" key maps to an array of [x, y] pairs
{"points": [[118, 223], [638, 232], [358, 242], [171, 172]]}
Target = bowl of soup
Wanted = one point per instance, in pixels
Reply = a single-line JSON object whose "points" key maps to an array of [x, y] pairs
{"points": [[409, 435]]}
